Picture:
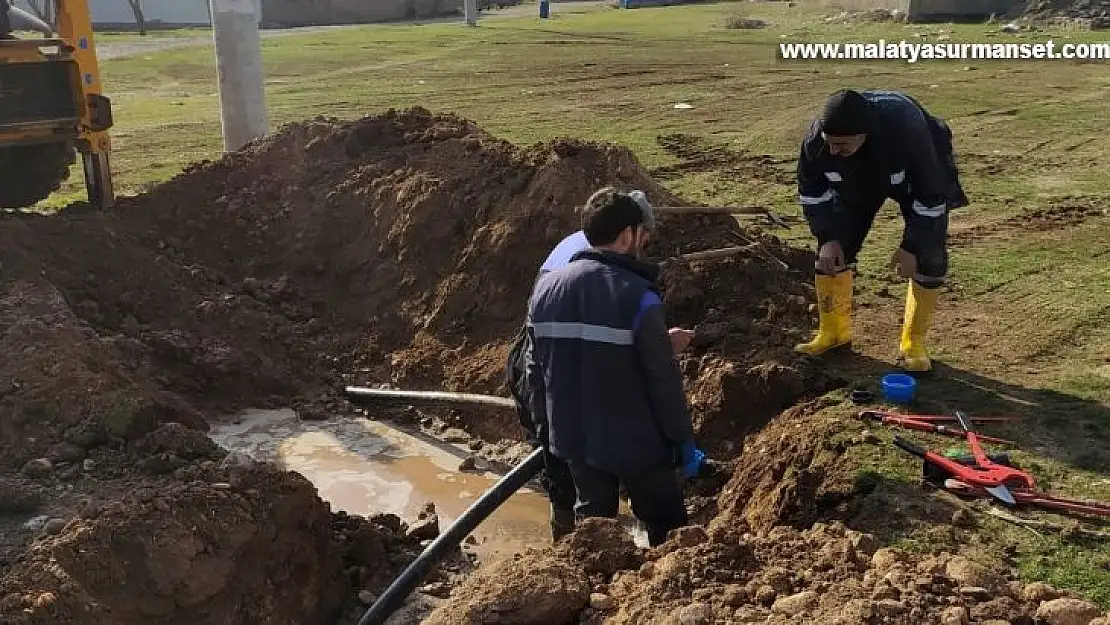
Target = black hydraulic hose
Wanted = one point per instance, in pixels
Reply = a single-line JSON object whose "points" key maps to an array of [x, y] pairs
{"points": [[492, 499]]}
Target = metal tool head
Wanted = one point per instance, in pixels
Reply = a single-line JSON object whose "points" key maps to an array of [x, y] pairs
{"points": [[1002, 493], [964, 421]]}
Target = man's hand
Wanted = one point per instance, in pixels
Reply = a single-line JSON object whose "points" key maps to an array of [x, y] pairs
{"points": [[830, 259], [904, 263], [680, 338]]}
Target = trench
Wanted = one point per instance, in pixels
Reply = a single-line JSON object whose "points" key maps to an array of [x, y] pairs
{"points": [[367, 467]]}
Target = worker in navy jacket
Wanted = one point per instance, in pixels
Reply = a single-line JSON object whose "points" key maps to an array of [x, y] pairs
{"points": [[867, 147], [555, 477], [603, 374]]}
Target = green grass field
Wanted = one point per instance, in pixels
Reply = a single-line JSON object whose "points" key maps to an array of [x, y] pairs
{"points": [[1026, 325]]}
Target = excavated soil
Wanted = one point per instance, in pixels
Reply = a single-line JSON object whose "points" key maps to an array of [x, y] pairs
{"points": [[772, 555], [827, 574], [397, 249], [169, 528]]}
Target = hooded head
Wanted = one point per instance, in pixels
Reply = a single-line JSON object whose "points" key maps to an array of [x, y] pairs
{"points": [[845, 122]]}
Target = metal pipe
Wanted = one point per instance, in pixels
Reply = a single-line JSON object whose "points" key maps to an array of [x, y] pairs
{"points": [[461, 398], [402, 587]]}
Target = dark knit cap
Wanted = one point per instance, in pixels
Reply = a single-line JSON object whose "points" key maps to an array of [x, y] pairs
{"points": [[846, 113]]}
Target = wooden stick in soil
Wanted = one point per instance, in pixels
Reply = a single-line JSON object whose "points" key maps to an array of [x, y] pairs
{"points": [[724, 210], [960, 504], [1032, 523], [780, 262], [712, 210], [724, 252]]}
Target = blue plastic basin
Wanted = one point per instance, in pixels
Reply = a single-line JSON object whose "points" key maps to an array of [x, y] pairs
{"points": [[899, 388]]}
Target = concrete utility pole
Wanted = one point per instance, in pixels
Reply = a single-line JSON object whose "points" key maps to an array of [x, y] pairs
{"points": [[239, 63], [470, 8]]}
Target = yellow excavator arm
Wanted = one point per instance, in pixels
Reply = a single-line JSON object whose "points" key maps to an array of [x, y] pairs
{"points": [[51, 105], [75, 26]]}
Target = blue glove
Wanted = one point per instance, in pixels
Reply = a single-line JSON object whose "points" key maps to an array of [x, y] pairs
{"points": [[692, 458]]}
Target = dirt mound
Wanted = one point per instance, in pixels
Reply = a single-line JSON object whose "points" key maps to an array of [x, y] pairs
{"points": [[826, 574], [208, 543], [532, 588], [401, 245], [399, 248], [791, 473]]}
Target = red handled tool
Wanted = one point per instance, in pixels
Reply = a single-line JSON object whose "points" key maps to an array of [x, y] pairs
{"points": [[980, 475], [1035, 498], [915, 423], [937, 417], [996, 479]]}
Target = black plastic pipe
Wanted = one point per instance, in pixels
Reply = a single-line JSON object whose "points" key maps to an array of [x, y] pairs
{"points": [[491, 500]]}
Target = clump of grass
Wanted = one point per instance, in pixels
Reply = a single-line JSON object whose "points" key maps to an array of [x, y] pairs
{"points": [[739, 22]]}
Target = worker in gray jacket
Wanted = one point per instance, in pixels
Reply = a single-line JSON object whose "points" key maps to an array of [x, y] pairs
{"points": [[603, 377]]}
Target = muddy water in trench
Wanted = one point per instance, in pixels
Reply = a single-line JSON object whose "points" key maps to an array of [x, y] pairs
{"points": [[365, 467]]}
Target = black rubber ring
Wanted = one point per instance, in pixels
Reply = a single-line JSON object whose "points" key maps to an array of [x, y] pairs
{"points": [[860, 396]]}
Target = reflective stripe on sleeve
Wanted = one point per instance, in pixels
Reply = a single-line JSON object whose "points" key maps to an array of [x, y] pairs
{"points": [[582, 331]]}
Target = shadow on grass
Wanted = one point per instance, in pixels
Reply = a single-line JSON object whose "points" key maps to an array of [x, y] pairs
{"points": [[1058, 437], [1067, 429]]}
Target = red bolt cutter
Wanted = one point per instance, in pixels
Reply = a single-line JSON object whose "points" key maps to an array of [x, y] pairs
{"points": [[996, 479], [916, 423]]}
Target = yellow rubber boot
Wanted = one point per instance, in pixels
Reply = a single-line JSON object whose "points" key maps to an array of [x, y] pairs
{"points": [[834, 306], [920, 303]]}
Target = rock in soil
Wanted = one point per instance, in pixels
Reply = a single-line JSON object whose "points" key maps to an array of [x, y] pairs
{"points": [[1038, 592], [217, 554], [780, 575], [601, 602], [531, 588], [795, 604], [1067, 611]]}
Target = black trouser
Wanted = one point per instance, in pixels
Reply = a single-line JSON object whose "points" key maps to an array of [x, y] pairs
{"points": [[928, 244], [655, 495], [559, 484]]}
